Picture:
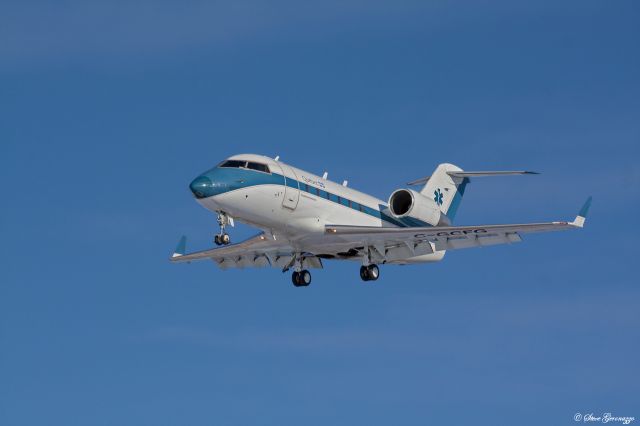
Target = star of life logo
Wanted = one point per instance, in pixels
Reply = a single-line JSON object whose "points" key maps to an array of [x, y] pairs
{"points": [[437, 196]]}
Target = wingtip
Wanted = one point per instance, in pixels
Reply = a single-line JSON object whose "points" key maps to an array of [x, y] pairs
{"points": [[585, 207], [582, 214], [180, 248]]}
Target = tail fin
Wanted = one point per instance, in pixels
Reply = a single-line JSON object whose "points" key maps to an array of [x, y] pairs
{"points": [[447, 184], [446, 189]]}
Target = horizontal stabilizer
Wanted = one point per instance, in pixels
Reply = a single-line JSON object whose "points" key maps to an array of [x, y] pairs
{"points": [[463, 174]]}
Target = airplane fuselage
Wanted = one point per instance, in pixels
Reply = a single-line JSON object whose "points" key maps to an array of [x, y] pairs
{"points": [[293, 204]]}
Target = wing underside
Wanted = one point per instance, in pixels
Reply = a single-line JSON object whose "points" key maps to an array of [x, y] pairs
{"points": [[259, 251], [395, 244], [379, 244]]}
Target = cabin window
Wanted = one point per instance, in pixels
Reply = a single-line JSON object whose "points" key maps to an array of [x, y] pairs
{"points": [[334, 198], [234, 164], [345, 202], [259, 167]]}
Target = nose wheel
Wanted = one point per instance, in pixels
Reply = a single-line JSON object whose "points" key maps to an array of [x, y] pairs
{"points": [[222, 238], [301, 279], [370, 272]]}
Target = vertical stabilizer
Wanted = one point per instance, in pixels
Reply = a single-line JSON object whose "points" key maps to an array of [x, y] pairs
{"points": [[446, 190]]}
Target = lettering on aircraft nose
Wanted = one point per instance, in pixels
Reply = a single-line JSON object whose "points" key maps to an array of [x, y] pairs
{"points": [[312, 181]]}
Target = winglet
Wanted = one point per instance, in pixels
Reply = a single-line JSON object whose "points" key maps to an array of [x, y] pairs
{"points": [[582, 214], [180, 248]]}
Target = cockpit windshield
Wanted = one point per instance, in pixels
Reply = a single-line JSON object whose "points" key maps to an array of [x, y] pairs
{"points": [[258, 166], [240, 164], [236, 164]]}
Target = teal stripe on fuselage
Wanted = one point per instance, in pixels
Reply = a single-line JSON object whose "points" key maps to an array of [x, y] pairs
{"points": [[230, 179]]}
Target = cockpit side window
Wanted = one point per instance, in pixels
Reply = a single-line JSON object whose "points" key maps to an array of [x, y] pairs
{"points": [[234, 164], [259, 167]]}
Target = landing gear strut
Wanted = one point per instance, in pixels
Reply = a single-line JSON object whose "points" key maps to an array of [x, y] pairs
{"points": [[301, 279], [370, 272], [222, 238]]}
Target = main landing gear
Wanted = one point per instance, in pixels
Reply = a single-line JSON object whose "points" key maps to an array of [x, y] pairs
{"points": [[301, 279], [222, 238], [370, 272]]}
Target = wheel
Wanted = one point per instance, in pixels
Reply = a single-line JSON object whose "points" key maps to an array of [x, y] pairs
{"points": [[301, 279], [373, 272], [295, 279], [225, 239], [216, 240], [304, 277], [369, 273], [364, 273]]}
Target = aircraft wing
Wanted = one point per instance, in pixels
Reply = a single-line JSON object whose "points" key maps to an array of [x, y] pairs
{"points": [[259, 251], [425, 240]]}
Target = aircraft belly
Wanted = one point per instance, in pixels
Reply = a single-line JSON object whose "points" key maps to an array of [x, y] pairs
{"points": [[425, 258]]}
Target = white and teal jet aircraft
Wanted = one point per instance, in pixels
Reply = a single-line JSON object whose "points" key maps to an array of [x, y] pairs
{"points": [[306, 219]]}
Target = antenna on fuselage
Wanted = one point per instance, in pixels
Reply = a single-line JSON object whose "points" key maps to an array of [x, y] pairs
{"points": [[277, 158], [324, 176], [345, 182]]}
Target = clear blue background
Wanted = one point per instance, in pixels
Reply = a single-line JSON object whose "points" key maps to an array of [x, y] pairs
{"points": [[109, 109]]}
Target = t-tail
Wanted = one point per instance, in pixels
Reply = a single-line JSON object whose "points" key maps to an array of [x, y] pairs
{"points": [[447, 184]]}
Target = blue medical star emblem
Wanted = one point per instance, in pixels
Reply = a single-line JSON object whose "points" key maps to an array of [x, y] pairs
{"points": [[437, 196]]}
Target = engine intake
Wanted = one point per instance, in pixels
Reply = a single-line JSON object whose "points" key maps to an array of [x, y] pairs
{"points": [[409, 203]]}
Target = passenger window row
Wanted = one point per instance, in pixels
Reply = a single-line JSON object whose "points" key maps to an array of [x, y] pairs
{"points": [[242, 164], [337, 199]]}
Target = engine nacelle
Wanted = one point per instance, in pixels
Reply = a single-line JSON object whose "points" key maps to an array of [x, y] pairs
{"points": [[409, 203]]}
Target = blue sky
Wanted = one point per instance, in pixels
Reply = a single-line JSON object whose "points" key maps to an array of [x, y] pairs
{"points": [[108, 110]]}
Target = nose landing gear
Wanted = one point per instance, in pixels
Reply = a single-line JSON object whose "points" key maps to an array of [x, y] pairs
{"points": [[222, 238], [370, 272]]}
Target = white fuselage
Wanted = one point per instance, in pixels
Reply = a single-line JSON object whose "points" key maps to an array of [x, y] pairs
{"points": [[298, 208]]}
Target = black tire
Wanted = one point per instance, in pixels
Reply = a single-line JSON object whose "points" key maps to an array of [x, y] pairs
{"points": [[295, 279], [216, 240], [304, 277], [364, 273], [373, 272], [225, 239]]}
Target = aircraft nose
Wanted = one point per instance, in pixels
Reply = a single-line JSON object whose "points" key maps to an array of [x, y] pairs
{"points": [[202, 187]]}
